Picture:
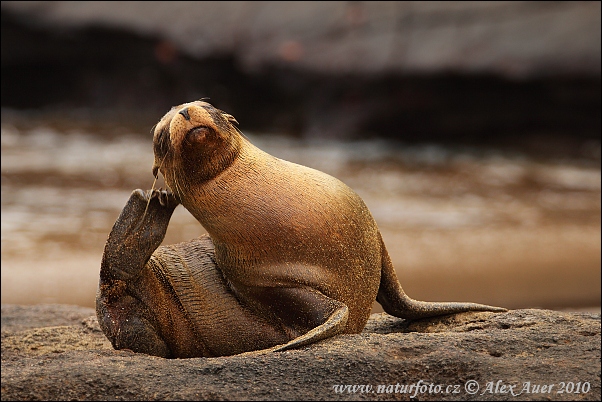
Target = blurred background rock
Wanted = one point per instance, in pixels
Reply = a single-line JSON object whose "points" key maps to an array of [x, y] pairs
{"points": [[471, 129]]}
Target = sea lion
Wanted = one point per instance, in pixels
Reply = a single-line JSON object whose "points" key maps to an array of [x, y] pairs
{"points": [[296, 249]]}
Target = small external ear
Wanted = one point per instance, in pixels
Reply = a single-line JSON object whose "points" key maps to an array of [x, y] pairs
{"points": [[230, 118]]}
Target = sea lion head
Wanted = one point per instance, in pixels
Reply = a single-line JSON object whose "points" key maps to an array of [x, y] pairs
{"points": [[192, 143]]}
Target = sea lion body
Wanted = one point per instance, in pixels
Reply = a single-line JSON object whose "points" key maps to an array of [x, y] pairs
{"points": [[299, 255], [285, 225]]}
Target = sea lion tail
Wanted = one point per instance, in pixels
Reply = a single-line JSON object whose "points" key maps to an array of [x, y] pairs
{"points": [[395, 302]]}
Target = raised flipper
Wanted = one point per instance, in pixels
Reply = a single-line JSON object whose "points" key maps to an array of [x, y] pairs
{"points": [[138, 231], [395, 302]]}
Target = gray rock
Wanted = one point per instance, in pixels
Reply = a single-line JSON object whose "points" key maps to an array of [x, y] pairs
{"points": [[539, 354]]}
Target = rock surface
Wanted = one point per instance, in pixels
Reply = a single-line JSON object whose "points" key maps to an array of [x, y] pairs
{"points": [[57, 352]]}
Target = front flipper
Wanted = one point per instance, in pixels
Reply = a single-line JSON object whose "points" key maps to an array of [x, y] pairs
{"points": [[335, 324], [307, 315]]}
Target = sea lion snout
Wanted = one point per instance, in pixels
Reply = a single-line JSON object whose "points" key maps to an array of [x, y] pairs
{"points": [[184, 112], [190, 117]]}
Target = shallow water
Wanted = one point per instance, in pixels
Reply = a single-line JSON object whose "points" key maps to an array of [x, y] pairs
{"points": [[460, 224]]}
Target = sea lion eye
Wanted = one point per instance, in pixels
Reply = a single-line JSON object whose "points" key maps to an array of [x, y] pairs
{"points": [[198, 134]]}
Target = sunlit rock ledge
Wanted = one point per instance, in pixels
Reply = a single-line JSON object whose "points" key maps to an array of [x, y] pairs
{"points": [[57, 352]]}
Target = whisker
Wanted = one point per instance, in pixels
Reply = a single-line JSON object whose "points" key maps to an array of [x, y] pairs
{"points": [[153, 188]]}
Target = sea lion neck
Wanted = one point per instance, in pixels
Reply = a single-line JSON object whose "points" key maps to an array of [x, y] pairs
{"points": [[209, 201], [203, 177]]}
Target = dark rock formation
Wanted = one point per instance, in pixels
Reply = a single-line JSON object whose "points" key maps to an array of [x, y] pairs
{"points": [[519, 73], [510, 38], [539, 354]]}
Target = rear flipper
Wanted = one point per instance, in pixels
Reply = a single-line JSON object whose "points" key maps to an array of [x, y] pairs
{"points": [[138, 231], [395, 302]]}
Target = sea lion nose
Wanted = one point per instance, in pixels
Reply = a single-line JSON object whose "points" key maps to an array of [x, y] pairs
{"points": [[184, 112]]}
